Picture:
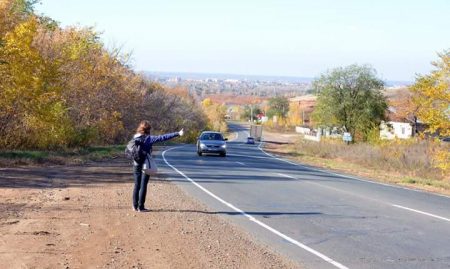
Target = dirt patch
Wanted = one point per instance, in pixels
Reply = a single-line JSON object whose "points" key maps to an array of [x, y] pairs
{"points": [[81, 217], [280, 138]]}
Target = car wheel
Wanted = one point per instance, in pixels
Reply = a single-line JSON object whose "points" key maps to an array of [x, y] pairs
{"points": [[199, 153], [223, 154]]}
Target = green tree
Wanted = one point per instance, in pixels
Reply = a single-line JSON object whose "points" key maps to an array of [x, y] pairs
{"points": [[278, 106], [246, 114], [350, 97]]}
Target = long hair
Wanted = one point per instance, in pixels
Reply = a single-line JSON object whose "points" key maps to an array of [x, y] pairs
{"points": [[144, 127]]}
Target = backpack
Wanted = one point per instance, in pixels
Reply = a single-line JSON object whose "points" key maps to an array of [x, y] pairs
{"points": [[135, 149]]}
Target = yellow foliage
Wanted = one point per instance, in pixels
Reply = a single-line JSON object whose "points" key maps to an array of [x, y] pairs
{"points": [[432, 96], [216, 115], [235, 112], [441, 159], [294, 117], [207, 102], [62, 88], [8, 16], [280, 122], [30, 97]]}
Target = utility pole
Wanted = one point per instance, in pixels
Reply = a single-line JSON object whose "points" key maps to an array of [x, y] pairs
{"points": [[303, 117], [251, 113]]}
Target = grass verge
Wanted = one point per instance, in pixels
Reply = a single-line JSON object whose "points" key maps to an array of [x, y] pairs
{"points": [[410, 171], [69, 156]]}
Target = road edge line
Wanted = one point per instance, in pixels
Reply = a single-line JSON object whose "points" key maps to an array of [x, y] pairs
{"points": [[348, 176], [421, 212], [253, 219]]}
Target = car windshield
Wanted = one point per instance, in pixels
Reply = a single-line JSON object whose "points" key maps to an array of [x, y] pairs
{"points": [[211, 136]]}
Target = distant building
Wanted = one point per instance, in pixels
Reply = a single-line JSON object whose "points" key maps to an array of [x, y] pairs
{"points": [[400, 126], [303, 106], [174, 80], [395, 129]]}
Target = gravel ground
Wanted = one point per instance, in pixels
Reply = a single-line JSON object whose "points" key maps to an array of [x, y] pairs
{"points": [[81, 217]]}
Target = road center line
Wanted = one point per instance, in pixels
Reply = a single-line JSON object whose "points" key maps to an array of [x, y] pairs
{"points": [[336, 189], [248, 156], [288, 176], [241, 163], [324, 171], [343, 176], [421, 212], [253, 219]]}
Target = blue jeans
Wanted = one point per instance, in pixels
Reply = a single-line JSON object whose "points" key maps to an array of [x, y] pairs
{"points": [[140, 187]]}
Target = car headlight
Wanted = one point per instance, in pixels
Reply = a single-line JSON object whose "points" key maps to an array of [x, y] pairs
{"points": [[224, 146], [202, 145]]}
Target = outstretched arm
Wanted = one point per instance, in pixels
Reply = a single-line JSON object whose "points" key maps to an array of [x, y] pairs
{"points": [[164, 137]]}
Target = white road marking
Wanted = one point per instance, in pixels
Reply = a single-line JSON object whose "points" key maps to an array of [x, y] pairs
{"points": [[288, 176], [336, 189], [237, 136], [248, 156], [242, 163], [355, 178], [345, 176], [253, 219], [421, 212], [259, 146]]}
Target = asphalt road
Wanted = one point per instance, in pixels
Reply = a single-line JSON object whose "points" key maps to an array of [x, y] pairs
{"points": [[316, 217]]}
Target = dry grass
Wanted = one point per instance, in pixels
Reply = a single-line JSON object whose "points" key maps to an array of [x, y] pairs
{"points": [[402, 162], [62, 157]]}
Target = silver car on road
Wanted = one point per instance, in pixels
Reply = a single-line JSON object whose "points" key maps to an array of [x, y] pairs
{"points": [[211, 142]]}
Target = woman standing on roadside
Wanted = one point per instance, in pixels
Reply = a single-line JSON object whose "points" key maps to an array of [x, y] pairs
{"points": [[140, 178]]}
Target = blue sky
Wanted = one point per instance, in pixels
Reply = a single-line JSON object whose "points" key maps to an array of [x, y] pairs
{"points": [[292, 38]]}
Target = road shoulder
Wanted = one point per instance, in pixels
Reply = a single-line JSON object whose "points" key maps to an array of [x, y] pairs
{"points": [[80, 216], [279, 144]]}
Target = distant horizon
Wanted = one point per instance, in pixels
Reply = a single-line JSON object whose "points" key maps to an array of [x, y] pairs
{"points": [[284, 78]]}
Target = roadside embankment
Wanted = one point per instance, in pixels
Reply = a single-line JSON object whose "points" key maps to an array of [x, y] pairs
{"points": [[407, 163]]}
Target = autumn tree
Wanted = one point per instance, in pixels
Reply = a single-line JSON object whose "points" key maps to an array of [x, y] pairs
{"points": [[30, 108], [62, 88], [216, 115], [13, 12], [432, 96], [294, 116], [278, 106], [403, 104], [168, 112], [350, 97]]}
